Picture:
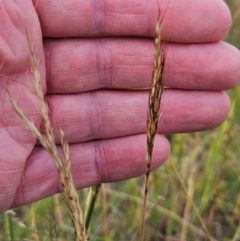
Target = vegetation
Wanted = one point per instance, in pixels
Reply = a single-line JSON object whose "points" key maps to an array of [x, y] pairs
{"points": [[205, 165]]}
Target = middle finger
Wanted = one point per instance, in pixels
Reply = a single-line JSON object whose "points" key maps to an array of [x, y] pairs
{"points": [[88, 64]]}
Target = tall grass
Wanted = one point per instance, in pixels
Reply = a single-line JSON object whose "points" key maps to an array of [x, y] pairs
{"points": [[208, 165]]}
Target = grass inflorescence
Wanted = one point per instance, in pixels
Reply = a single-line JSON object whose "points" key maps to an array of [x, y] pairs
{"points": [[47, 140], [154, 111]]}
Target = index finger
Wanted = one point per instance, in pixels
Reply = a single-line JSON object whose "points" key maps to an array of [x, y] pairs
{"points": [[182, 20]]}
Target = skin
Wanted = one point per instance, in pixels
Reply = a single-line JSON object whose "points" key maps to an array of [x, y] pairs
{"points": [[86, 81]]}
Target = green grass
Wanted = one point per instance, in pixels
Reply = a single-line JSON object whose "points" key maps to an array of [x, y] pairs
{"points": [[208, 164]]}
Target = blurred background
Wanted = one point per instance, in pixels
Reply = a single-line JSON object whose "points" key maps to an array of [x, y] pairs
{"points": [[206, 165]]}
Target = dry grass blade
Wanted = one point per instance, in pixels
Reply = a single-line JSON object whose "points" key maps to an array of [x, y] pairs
{"points": [[48, 142], [193, 203], [154, 110]]}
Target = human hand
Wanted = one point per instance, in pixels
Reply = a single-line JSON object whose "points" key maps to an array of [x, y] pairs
{"points": [[86, 81]]}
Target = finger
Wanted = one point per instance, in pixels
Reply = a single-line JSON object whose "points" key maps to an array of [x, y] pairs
{"points": [[109, 114], [81, 65], [182, 21], [92, 163]]}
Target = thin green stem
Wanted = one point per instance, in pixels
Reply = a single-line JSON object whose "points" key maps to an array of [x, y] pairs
{"points": [[91, 200]]}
